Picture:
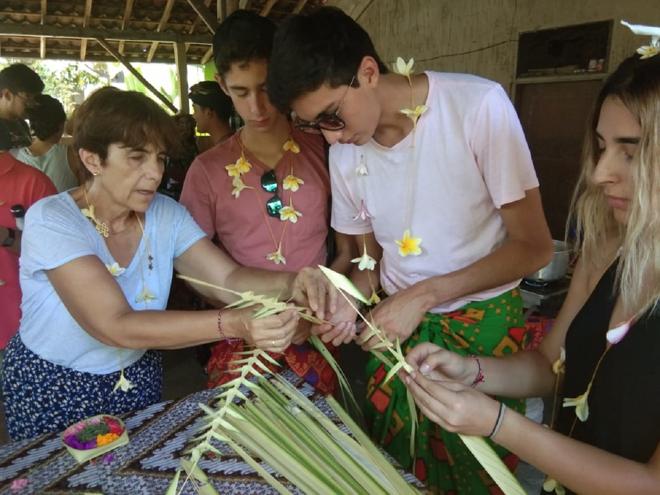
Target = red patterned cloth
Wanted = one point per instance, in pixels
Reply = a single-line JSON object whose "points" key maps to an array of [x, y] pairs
{"points": [[304, 361]]}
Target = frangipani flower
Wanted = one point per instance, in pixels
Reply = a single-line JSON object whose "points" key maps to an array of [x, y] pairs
{"points": [[289, 213], [365, 262], [276, 257], [402, 67], [616, 334], [362, 170], [145, 296], [551, 484], [124, 384], [409, 245], [242, 166], [292, 183], [18, 484], [648, 51], [291, 146], [239, 185], [114, 269], [374, 298], [415, 113], [581, 404], [558, 366], [88, 212], [362, 214]]}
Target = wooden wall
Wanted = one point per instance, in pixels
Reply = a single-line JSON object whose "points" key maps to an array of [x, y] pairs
{"points": [[480, 36]]}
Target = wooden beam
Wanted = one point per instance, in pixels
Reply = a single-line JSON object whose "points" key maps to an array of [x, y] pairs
{"points": [[182, 71], [42, 40], [197, 20], [221, 10], [207, 56], [136, 73], [83, 49], [167, 12], [13, 29], [299, 6], [86, 15], [243, 4], [267, 8], [206, 15], [128, 9]]}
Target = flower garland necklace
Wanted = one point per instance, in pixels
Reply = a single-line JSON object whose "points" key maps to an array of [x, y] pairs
{"points": [[291, 182], [581, 402]]}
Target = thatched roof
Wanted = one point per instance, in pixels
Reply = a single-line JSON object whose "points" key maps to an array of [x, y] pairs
{"points": [[139, 30]]}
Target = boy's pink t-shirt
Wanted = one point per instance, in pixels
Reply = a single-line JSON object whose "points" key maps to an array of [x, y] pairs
{"points": [[24, 185], [242, 225]]}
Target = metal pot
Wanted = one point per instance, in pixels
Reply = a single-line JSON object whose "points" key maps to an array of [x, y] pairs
{"points": [[557, 267]]}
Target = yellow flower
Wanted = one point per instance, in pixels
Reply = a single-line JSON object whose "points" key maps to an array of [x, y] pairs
{"points": [[648, 51], [114, 269], [145, 296], [291, 146], [365, 262], [239, 185], [276, 257], [374, 298], [558, 365], [409, 245], [581, 404], [290, 213], [102, 440], [551, 484], [292, 182], [124, 384], [402, 67], [242, 166], [414, 114]]}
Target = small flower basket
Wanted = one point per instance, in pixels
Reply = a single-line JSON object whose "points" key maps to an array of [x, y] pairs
{"points": [[94, 436]]}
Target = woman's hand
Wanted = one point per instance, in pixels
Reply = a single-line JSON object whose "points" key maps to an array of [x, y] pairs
{"points": [[438, 364], [312, 288], [453, 406], [271, 333]]}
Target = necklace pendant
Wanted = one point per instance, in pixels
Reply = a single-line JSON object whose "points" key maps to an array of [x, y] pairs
{"points": [[102, 228]]}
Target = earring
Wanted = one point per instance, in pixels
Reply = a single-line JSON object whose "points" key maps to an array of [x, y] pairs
{"points": [[95, 174]]}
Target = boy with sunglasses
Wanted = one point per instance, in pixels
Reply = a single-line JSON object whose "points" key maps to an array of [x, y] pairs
{"points": [[264, 193], [434, 170]]}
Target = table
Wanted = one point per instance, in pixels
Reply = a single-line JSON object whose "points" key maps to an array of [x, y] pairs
{"points": [[158, 436]]}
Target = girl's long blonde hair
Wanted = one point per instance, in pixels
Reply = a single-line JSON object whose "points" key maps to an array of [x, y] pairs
{"points": [[636, 83]]}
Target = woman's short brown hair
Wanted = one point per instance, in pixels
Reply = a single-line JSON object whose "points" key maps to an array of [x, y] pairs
{"points": [[128, 118]]}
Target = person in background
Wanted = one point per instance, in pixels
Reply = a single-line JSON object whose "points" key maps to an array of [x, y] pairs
{"points": [[263, 194], [47, 153], [605, 342], [20, 187], [212, 111], [96, 268], [433, 170], [19, 87], [178, 164]]}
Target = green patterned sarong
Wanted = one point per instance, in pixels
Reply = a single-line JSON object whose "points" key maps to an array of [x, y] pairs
{"points": [[494, 327]]}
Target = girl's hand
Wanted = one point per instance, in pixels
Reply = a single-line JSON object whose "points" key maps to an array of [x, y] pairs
{"points": [[438, 364]]}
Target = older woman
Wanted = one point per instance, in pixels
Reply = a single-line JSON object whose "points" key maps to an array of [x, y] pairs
{"points": [[96, 271], [608, 434]]}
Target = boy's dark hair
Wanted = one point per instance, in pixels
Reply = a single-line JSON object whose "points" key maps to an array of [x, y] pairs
{"points": [[208, 94], [47, 117], [242, 37], [111, 116], [19, 78], [326, 46]]}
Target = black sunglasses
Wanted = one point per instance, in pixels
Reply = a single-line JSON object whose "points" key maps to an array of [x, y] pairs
{"points": [[325, 121], [269, 184]]}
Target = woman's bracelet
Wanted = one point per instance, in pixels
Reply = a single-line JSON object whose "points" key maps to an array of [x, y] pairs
{"points": [[480, 375], [498, 421]]}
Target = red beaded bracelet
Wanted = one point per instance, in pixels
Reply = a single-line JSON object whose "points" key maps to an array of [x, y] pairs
{"points": [[480, 378]]}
